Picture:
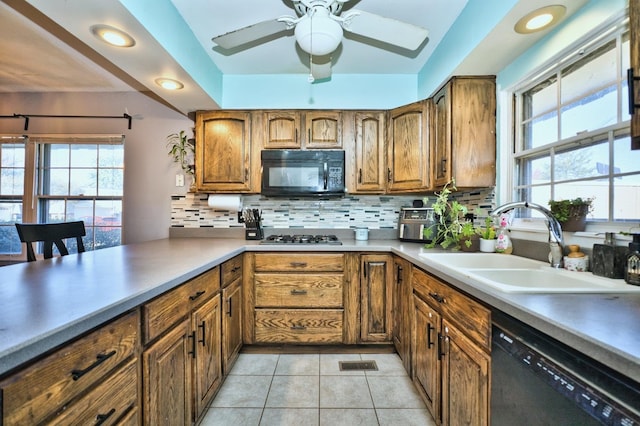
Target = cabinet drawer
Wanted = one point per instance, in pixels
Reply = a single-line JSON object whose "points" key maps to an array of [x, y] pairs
{"points": [[299, 290], [299, 325], [167, 309], [107, 402], [231, 270], [33, 394], [297, 262], [468, 314]]}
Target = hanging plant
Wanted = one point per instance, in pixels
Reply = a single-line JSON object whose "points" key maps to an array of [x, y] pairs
{"points": [[182, 150]]}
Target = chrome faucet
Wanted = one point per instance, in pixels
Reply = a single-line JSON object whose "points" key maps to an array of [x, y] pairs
{"points": [[555, 230]]}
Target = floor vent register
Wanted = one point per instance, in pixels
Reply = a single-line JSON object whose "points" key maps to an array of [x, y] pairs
{"points": [[357, 365]]}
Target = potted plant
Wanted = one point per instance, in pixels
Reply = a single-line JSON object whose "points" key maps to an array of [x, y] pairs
{"points": [[487, 236], [572, 214], [452, 230], [182, 150]]}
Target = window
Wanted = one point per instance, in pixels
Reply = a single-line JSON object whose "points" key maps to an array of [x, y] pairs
{"points": [[12, 174], [573, 132], [75, 178]]}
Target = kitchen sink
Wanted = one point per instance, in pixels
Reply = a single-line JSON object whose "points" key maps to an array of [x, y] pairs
{"points": [[514, 274], [483, 261]]}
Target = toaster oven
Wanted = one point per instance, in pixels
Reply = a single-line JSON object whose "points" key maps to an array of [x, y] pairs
{"points": [[414, 221]]}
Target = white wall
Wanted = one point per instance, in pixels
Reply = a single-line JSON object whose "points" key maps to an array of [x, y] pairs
{"points": [[149, 179]]}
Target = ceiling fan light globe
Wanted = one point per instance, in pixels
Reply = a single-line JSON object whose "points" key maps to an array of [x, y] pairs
{"points": [[327, 35]]}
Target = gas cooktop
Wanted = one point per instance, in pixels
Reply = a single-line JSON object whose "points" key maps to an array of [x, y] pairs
{"points": [[301, 239]]}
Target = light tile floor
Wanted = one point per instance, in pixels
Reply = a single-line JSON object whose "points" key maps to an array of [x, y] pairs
{"points": [[310, 389]]}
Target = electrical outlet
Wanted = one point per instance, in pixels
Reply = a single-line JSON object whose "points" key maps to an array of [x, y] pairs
{"points": [[179, 180]]}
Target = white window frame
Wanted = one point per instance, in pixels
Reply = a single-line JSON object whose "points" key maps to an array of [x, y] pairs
{"points": [[512, 144]]}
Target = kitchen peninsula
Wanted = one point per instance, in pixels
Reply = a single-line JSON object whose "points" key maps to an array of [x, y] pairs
{"points": [[46, 305]]}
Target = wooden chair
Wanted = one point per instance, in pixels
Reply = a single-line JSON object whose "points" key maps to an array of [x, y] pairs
{"points": [[50, 234]]}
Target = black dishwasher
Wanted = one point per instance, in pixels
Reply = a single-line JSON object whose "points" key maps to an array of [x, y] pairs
{"points": [[536, 380]]}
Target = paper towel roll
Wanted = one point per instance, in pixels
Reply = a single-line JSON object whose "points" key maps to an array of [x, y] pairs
{"points": [[225, 202]]}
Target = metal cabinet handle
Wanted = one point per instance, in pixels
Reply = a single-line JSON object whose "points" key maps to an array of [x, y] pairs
{"points": [[202, 326], [198, 294], [230, 302], [298, 327], [389, 175], [100, 358], [101, 418], [192, 352], [399, 274], [441, 352], [430, 328], [631, 79], [298, 264], [443, 166], [235, 268], [359, 175], [437, 297], [297, 292]]}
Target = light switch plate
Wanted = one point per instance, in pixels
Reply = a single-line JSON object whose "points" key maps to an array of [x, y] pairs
{"points": [[179, 180]]}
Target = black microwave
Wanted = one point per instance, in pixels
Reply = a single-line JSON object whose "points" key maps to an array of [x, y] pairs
{"points": [[302, 173]]}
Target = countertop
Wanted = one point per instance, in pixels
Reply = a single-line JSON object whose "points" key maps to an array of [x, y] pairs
{"points": [[44, 304]]}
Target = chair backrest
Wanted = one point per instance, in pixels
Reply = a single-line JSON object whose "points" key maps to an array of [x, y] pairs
{"points": [[50, 234]]}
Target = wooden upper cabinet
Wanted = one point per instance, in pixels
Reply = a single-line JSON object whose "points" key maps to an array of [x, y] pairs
{"points": [[634, 25], [323, 129], [408, 148], [463, 133], [295, 129], [370, 176], [223, 151], [282, 129]]}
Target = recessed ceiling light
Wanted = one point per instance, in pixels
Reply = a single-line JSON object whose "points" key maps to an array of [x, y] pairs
{"points": [[169, 83], [540, 19], [112, 36]]}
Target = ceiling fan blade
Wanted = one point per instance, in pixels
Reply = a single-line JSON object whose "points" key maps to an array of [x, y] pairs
{"points": [[248, 34], [321, 67], [388, 30]]}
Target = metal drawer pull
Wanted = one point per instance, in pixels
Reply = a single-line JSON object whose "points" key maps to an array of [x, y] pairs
{"points": [[76, 374], [298, 327], [437, 297], [192, 352], [198, 294], [430, 328], [298, 264], [235, 268], [296, 292], [203, 334], [101, 418], [229, 312]]}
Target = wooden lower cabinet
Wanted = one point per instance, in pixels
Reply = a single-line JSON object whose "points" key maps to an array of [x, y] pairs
{"points": [[182, 368], [402, 310], [376, 298], [292, 298], [94, 375], [451, 338]]}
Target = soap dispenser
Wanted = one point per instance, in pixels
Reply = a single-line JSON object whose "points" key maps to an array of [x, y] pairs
{"points": [[608, 260], [632, 268], [503, 243]]}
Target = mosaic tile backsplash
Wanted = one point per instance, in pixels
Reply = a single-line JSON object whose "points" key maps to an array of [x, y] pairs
{"points": [[373, 211]]}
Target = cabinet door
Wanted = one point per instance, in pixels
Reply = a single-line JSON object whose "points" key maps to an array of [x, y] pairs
{"points": [[223, 151], [281, 129], [402, 304], [634, 25], [167, 378], [441, 137], [408, 149], [370, 161], [473, 131], [231, 324], [465, 380], [426, 354], [376, 298], [207, 359], [323, 129]]}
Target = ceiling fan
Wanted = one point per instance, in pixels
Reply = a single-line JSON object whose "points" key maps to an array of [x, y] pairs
{"points": [[318, 29]]}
